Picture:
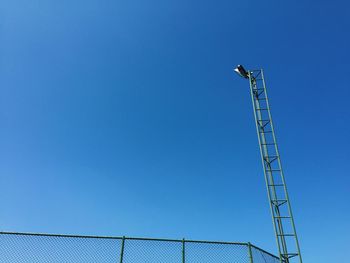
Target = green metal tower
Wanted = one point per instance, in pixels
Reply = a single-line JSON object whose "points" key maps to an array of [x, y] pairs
{"points": [[282, 217]]}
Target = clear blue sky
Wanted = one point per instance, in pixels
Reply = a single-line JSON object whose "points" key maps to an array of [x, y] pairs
{"points": [[124, 118]]}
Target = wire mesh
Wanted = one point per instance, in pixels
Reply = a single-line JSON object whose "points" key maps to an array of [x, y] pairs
{"points": [[261, 256], [40, 248], [152, 251], [209, 252], [51, 249]]}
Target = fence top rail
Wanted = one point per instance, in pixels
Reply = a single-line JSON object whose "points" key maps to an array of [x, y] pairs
{"points": [[134, 238], [121, 237]]}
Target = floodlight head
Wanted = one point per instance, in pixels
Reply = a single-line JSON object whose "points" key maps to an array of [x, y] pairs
{"points": [[240, 70]]}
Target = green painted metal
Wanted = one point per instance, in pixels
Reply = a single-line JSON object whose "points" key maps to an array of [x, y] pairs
{"points": [[250, 253], [123, 237], [183, 251], [282, 217], [122, 250]]}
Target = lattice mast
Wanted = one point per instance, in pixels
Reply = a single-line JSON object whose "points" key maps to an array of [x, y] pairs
{"points": [[282, 217]]}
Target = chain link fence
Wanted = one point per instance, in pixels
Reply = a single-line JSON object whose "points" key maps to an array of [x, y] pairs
{"points": [[43, 248]]}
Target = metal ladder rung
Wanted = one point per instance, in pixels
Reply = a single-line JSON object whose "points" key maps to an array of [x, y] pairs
{"points": [[268, 143], [289, 255], [271, 156], [273, 170], [286, 217], [257, 93], [263, 123], [258, 89], [279, 202], [276, 184], [265, 132], [286, 235], [261, 109]]}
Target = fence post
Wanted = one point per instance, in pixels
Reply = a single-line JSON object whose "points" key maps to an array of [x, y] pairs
{"points": [[250, 252], [122, 250], [183, 250]]}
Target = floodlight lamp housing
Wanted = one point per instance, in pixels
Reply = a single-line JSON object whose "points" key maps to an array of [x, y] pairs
{"points": [[240, 70]]}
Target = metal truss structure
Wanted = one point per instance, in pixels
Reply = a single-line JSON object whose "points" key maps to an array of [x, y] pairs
{"points": [[282, 217]]}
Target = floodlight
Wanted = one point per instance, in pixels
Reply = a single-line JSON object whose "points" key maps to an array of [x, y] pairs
{"points": [[240, 70]]}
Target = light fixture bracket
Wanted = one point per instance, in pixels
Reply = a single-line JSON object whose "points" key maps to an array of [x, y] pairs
{"points": [[240, 70]]}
